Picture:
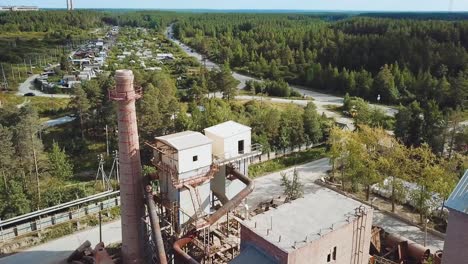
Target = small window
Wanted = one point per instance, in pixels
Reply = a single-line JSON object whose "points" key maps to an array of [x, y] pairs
{"points": [[195, 158], [240, 147], [329, 258], [334, 253]]}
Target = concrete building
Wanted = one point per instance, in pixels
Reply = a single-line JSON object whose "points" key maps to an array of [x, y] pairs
{"points": [[231, 144], [323, 227], [181, 159], [456, 237], [192, 167]]}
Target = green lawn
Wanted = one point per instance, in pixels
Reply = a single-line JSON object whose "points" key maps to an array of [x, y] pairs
{"points": [[290, 160]]}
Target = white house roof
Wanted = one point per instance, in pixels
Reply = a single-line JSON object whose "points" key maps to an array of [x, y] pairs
{"points": [[227, 129], [185, 140], [458, 200]]}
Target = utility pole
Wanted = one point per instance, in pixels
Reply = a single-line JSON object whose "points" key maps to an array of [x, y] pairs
{"points": [[12, 72], [19, 71], [5, 81], [36, 169], [107, 140]]}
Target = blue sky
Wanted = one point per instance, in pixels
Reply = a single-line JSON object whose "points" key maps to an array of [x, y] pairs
{"points": [[360, 5]]}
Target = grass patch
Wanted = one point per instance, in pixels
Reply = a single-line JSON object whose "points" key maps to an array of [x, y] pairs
{"points": [[284, 162], [84, 153], [335, 108], [47, 107]]}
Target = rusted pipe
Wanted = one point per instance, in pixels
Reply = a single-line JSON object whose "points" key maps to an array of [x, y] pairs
{"points": [[221, 197], [181, 243], [236, 200], [101, 255], [155, 227], [228, 206], [415, 250]]}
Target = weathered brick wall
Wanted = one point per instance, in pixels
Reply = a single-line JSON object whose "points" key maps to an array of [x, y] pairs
{"points": [[347, 239], [250, 237], [456, 239]]}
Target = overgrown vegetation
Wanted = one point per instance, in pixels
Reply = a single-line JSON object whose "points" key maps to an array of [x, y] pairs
{"points": [[369, 156], [277, 164], [293, 188]]}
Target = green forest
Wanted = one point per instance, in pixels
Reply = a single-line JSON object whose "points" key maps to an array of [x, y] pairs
{"points": [[400, 59], [417, 64]]}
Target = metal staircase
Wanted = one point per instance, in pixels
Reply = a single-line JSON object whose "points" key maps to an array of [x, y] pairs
{"points": [[196, 200]]}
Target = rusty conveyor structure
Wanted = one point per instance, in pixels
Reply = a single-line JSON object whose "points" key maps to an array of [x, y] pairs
{"points": [[212, 219]]}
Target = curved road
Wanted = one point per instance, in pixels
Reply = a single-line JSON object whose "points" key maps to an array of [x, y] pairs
{"points": [[321, 100], [26, 87]]}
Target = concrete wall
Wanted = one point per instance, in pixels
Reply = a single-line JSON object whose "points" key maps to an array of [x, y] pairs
{"points": [[221, 184], [249, 237], [186, 162], [456, 239], [228, 147], [187, 205], [218, 183], [231, 144], [352, 245], [218, 144]]}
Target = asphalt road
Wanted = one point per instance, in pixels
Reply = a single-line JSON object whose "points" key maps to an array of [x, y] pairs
{"points": [[57, 251], [58, 121], [26, 87], [321, 100]]}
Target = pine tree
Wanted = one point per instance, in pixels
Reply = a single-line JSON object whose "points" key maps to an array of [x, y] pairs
{"points": [[60, 165]]}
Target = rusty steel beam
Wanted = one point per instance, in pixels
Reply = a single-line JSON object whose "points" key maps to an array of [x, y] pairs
{"points": [[212, 219], [155, 226]]}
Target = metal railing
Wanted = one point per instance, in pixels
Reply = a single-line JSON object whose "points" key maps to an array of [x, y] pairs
{"points": [[42, 219]]}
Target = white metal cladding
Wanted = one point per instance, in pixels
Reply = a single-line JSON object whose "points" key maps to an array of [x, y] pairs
{"points": [[185, 140], [227, 129], [226, 137], [458, 200]]}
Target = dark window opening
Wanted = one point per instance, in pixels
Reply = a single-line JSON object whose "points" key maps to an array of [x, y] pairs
{"points": [[329, 258], [195, 158], [334, 253], [240, 147]]}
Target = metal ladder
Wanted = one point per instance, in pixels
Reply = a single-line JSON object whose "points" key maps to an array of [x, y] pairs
{"points": [[196, 200]]}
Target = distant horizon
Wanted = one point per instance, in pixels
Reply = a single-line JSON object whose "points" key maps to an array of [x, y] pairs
{"points": [[253, 10], [249, 5]]}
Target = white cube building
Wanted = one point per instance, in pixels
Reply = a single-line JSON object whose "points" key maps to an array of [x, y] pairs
{"points": [[184, 163], [232, 144], [191, 168]]}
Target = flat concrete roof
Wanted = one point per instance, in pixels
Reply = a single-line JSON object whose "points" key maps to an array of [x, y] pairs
{"points": [[185, 140], [305, 219], [227, 129]]}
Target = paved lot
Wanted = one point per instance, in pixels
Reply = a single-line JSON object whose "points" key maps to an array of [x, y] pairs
{"points": [[57, 251], [269, 186], [26, 87]]}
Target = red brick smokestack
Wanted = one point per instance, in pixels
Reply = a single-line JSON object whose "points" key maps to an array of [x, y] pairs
{"points": [[131, 179]]}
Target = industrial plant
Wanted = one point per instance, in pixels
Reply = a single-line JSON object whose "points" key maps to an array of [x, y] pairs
{"points": [[196, 210]]}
